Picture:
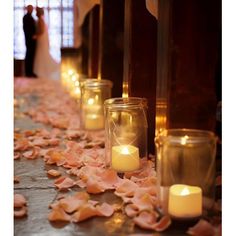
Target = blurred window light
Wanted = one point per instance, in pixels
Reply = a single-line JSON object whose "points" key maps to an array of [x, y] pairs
{"points": [[58, 15]]}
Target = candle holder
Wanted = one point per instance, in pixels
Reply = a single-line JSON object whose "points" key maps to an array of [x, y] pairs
{"points": [[186, 172], [126, 133], [93, 94], [75, 89]]}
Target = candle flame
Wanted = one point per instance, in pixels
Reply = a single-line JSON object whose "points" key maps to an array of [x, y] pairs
{"points": [[73, 78], [125, 150], [185, 191], [77, 91], [70, 72], [184, 140], [90, 101], [93, 116]]}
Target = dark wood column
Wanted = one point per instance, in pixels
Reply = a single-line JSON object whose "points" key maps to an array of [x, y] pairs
{"points": [[140, 58], [85, 45], [189, 61], [93, 42], [111, 43]]}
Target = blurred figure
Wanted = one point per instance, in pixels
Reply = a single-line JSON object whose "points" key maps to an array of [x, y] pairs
{"points": [[44, 65], [29, 28]]}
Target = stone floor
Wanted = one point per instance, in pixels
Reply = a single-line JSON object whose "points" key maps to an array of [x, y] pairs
{"points": [[39, 191]]}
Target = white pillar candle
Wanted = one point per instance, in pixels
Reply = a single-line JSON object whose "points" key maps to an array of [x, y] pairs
{"points": [[125, 158], [94, 122], [185, 201]]}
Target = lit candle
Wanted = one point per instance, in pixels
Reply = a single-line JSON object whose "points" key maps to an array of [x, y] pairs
{"points": [[92, 106], [76, 93], [185, 201], [125, 158], [94, 122]]}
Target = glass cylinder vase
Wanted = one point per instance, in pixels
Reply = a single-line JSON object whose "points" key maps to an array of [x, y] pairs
{"points": [[126, 133], [186, 172], [93, 94]]}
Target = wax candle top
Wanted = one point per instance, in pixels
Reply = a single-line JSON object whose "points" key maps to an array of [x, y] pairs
{"points": [[125, 158], [183, 190], [125, 150], [185, 201]]}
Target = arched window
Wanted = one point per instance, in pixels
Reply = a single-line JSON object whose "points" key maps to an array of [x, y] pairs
{"points": [[59, 18]]}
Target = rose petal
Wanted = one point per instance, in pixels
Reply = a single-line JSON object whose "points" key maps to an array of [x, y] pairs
{"points": [[54, 173], [63, 183], [85, 212], [72, 203], [19, 200], [58, 214], [105, 209], [203, 228], [21, 212]]}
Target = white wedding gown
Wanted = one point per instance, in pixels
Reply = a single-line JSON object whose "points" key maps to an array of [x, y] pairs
{"points": [[44, 65]]}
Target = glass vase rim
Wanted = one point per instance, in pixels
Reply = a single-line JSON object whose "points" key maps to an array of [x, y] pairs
{"points": [[185, 136], [127, 102], [94, 82]]}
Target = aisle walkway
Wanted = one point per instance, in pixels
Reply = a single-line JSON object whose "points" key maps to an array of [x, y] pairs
{"points": [[60, 178]]}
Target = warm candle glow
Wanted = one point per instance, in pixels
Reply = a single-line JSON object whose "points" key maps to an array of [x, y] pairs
{"points": [[185, 201], [125, 158], [70, 72], [184, 140], [73, 78], [185, 191], [93, 106], [90, 101], [125, 93], [125, 150], [94, 122]]}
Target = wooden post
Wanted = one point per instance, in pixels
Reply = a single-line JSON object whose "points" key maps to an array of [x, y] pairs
{"points": [[111, 43], [93, 42], [85, 45], [189, 38], [140, 45]]}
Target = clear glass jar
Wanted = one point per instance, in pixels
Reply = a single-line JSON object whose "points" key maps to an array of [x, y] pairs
{"points": [[186, 172], [93, 94], [75, 89], [126, 133]]}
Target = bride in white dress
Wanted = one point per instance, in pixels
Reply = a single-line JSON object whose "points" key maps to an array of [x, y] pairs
{"points": [[44, 65]]}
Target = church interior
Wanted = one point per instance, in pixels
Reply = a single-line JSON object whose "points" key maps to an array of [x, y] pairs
{"points": [[127, 138]]}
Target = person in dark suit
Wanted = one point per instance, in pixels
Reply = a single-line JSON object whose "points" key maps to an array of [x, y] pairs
{"points": [[29, 28]]}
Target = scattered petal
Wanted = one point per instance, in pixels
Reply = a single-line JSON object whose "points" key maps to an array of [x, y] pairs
{"points": [[54, 173], [63, 183], [21, 212], [58, 214], [19, 200], [203, 228], [16, 179]]}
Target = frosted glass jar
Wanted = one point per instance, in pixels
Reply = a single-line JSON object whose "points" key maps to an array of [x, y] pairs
{"points": [[126, 133]]}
